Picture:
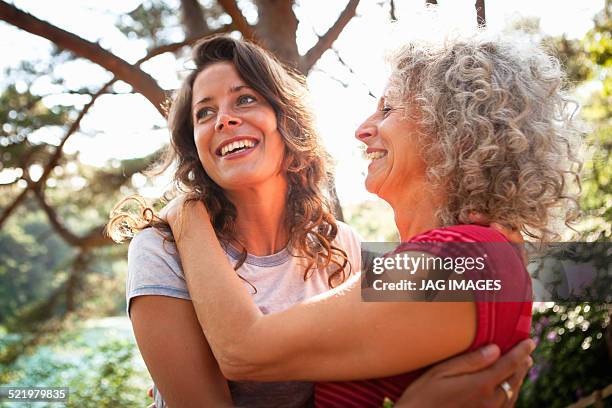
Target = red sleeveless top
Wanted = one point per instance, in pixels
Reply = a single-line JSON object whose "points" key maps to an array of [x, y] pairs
{"points": [[503, 323]]}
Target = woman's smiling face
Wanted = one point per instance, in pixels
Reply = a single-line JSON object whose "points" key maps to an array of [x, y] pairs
{"points": [[235, 129], [393, 147]]}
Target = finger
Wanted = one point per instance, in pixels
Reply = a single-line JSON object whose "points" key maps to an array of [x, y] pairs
{"points": [[510, 363], [516, 381], [469, 362], [501, 398], [150, 392]]}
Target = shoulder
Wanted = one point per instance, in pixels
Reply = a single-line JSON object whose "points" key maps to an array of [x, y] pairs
{"points": [[149, 251], [460, 233], [149, 242], [154, 267], [461, 241]]}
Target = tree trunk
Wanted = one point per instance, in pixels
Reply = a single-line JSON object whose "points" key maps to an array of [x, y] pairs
{"points": [[276, 29], [192, 17]]}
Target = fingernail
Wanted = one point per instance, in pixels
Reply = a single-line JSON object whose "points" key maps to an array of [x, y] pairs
{"points": [[532, 345], [489, 351]]}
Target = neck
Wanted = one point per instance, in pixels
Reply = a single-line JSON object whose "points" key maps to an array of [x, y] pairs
{"points": [[414, 209], [261, 216]]}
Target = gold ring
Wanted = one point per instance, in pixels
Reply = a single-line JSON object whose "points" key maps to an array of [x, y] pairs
{"points": [[505, 386]]}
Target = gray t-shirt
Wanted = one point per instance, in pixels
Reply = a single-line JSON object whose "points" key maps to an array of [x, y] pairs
{"points": [[154, 268]]}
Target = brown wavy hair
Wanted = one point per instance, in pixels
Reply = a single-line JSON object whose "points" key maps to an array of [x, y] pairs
{"points": [[498, 130], [312, 227]]}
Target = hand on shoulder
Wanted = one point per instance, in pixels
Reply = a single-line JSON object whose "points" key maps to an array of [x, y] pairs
{"points": [[181, 208]]}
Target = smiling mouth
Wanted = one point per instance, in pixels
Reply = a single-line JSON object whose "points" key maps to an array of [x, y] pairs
{"points": [[237, 146], [379, 154]]}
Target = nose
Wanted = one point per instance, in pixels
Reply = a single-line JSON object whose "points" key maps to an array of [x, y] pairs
{"points": [[366, 130], [226, 120]]}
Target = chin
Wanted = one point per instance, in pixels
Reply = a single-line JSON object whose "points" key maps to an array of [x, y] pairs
{"points": [[371, 186], [233, 180]]}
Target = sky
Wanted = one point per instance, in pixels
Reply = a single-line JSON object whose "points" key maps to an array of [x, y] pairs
{"points": [[126, 126]]}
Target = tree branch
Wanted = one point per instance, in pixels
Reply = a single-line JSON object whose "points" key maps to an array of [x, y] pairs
{"points": [[481, 20], [94, 238], [9, 210], [73, 282], [192, 17], [238, 19], [326, 41], [141, 81], [57, 225], [173, 47], [352, 72]]}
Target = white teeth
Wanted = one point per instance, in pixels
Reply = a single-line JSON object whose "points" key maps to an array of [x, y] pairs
{"points": [[375, 155], [236, 145]]}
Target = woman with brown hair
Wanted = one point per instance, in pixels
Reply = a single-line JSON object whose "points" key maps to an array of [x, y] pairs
{"points": [[468, 125], [261, 171]]}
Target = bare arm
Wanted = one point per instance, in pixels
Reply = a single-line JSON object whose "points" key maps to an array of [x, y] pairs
{"points": [[176, 352], [332, 337]]}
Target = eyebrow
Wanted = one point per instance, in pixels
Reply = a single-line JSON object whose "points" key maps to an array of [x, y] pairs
{"points": [[233, 89]]}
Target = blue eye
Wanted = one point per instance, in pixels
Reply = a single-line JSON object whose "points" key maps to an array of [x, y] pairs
{"points": [[244, 99], [203, 113]]}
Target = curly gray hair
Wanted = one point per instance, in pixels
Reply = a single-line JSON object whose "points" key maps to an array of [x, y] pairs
{"points": [[497, 130]]}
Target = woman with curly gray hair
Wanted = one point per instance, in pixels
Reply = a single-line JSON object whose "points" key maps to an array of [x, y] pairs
{"points": [[494, 128], [473, 125]]}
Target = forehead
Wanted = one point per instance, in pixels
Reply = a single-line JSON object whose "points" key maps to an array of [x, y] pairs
{"points": [[215, 80], [391, 91]]}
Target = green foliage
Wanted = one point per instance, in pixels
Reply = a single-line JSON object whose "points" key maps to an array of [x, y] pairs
{"points": [[105, 374], [387, 403], [373, 220], [21, 114], [151, 21], [31, 252], [576, 63], [571, 360], [597, 189], [109, 382]]}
